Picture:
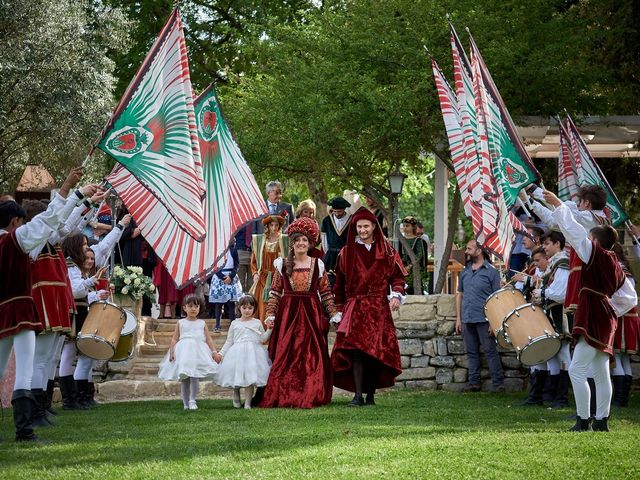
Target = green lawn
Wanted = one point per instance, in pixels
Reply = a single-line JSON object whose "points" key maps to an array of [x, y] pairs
{"points": [[407, 435]]}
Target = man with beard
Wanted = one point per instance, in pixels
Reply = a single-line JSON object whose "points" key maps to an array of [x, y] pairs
{"points": [[478, 280], [366, 355]]}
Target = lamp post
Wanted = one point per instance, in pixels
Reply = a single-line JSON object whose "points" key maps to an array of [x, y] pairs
{"points": [[396, 182]]}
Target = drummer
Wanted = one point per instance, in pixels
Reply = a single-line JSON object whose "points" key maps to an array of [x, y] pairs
{"points": [[76, 385], [523, 282], [539, 372], [552, 295]]}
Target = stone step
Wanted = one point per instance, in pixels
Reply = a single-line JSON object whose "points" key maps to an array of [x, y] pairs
{"points": [[168, 325], [119, 390]]}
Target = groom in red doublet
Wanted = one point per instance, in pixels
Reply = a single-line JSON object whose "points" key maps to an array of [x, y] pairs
{"points": [[365, 354]]}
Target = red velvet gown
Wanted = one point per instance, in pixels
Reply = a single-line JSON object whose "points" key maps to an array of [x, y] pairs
{"points": [[301, 372], [361, 291]]}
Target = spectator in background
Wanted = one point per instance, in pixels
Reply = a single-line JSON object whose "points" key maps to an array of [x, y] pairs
{"points": [[417, 245], [478, 280], [275, 206], [335, 228], [243, 247]]}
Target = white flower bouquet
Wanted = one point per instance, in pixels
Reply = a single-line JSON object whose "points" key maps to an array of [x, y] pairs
{"points": [[132, 282]]}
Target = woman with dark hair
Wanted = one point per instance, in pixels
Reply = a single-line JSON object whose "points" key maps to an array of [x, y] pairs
{"points": [[301, 373]]}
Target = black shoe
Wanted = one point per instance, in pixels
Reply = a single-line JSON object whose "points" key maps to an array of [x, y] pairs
{"points": [[49, 405], [628, 382], [582, 425], [23, 404], [39, 409], [82, 387], [357, 401], [370, 400], [618, 390], [561, 400], [91, 392], [472, 387], [600, 425], [69, 394]]}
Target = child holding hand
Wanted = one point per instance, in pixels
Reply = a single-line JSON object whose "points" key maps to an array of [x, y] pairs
{"points": [[245, 362], [191, 355]]}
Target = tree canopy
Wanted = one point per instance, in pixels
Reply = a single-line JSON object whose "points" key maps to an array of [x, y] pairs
{"points": [[56, 81]]}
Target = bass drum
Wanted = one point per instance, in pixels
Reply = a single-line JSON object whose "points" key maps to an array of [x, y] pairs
{"points": [[101, 330], [124, 349], [496, 309], [529, 330]]}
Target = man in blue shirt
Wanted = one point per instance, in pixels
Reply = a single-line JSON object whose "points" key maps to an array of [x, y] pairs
{"points": [[478, 280]]}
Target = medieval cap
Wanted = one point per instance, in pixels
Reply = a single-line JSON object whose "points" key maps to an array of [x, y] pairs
{"points": [[339, 202]]}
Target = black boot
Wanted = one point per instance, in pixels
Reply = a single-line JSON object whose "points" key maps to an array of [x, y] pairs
{"points": [[618, 390], [582, 425], [600, 425], [370, 400], [537, 380], [82, 387], [626, 392], [23, 403], [357, 401], [592, 405], [69, 394], [549, 390], [39, 410], [561, 399], [91, 392], [49, 405]]}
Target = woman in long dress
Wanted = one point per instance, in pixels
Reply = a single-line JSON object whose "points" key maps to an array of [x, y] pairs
{"points": [[301, 372], [265, 248]]}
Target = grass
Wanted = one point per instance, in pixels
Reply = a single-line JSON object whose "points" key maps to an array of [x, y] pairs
{"points": [[407, 435]]}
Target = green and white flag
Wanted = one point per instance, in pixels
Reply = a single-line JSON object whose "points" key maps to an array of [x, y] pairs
{"points": [[512, 167], [153, 133], [589, 173]]}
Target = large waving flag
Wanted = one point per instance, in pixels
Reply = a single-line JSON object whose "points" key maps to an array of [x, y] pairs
{"points": [[496, 234], [233, 199], [152, 132], [567, 169], [589, 173], [511, 164], [470, 176], [452, 125]]}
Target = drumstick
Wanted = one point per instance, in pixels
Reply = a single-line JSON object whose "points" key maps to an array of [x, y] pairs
{"points": [[522, 273]]}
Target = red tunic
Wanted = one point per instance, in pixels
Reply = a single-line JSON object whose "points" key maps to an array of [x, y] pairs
{"points": [[300, 376], [361, 289], [628, 333], [17, 310], [573, 284], [595, 318], [51, 290]]}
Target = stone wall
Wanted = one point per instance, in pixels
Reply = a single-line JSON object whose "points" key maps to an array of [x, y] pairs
{"points": [[434, 357]]}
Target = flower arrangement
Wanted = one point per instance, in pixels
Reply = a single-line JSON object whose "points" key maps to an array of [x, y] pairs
{"points": [[132, 282]]}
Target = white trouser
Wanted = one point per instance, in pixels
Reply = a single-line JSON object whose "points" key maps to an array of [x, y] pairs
{"points": [[45, 350], [56, 357], [69, 352], [537, 367], [585, 359], [623, 365], [561, 360], [84, 365], [24, 346]]}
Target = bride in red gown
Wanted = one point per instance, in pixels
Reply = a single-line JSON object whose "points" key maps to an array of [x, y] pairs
{"points": [[301, 372]]}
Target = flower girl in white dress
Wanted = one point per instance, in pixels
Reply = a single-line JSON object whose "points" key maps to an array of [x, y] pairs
{"points": [[191, 355], [245, 362]]}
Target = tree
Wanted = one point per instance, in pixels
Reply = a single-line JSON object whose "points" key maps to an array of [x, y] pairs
{"points": [[56, 81], [219, 34]]}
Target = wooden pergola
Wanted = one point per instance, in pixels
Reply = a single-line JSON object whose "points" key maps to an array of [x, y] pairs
{"points": [[606, 137]]}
